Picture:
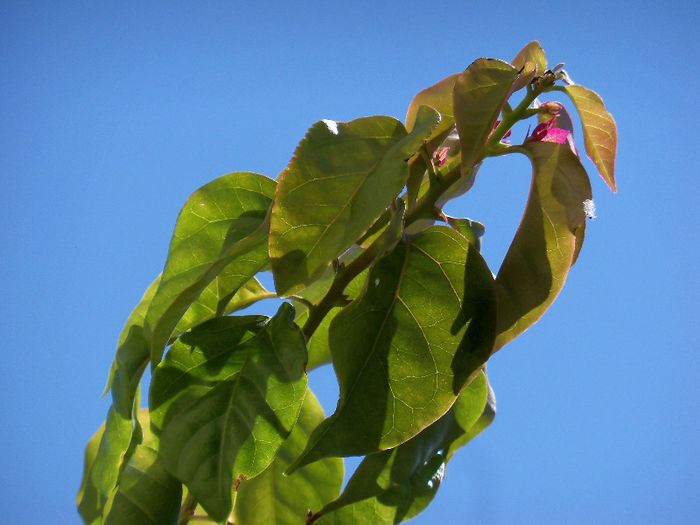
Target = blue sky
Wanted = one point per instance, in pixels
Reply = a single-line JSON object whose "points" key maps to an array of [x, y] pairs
{"points": [[112, 113]]}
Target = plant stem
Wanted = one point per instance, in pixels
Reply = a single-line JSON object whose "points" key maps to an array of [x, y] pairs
{"points": [[187, 509], [334, 295]]}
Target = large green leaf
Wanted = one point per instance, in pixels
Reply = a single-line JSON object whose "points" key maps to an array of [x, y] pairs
{"points": [[273, 497], [538, 261], [147, 493], [394, 485], [224, 399], [342, 178], [531, 62], [221, 223], [479, 95], [403, 351], [599, 130]]}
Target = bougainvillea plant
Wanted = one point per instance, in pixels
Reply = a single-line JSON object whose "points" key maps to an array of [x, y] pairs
{"points": [[374, 277]]}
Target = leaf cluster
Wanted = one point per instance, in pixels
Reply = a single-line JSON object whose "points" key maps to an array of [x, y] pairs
{"points": [[376, 279]]}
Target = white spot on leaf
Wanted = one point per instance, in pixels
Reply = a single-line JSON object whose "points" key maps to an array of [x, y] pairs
{"points": [[332, 125], [589, 208]]}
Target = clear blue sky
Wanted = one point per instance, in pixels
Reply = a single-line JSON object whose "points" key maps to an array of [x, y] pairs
{"points": [[112, 113]]}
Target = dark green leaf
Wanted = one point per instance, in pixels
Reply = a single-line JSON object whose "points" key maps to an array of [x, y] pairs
{"points": [[224, 399], [535, 267], [403, 351], [479, 95], [275, 498], [599, 130], [395, 485], [147, 494], [342, 178], [221, 223], [531, 62]]}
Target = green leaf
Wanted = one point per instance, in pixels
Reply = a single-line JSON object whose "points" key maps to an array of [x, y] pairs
{"points": [[273, 497], [147, 493], [105, 457], [132, 356], [479, 95], [538, 261], [531, 62], [473, 231], [341, 179], [103, 466], [403, 351], [133, 352], [218, 296], [88, 499], [439, 97], [224, 399], [221, 223], [395, 485], [599, 130]]}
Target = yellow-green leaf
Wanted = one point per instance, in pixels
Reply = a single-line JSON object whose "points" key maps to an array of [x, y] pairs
{"points": [[599, 130], [439, 97], [479, 95], [531, 62]]}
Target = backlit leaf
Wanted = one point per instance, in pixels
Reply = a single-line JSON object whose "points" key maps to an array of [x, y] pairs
{"points": [[394, 485], [473, 231], [225, 398], [88, 498], [532, 61], [599, 130], [479, 95], [538, 261], [439, 97], [342, 178], [221, 223], [403, 351], [147, 493], [275, 498]]}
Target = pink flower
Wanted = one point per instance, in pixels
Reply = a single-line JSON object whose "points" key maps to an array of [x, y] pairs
{"points": [[440, 156], [546, 132]]}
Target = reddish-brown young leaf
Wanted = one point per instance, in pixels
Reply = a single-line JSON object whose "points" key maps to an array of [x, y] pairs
{"points": [[547, 241]]}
